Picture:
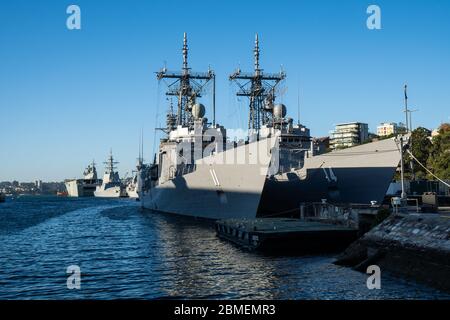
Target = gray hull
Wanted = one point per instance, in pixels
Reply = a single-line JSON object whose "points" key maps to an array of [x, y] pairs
{"points": [[215, 190], [80, 188], [356, 175]]}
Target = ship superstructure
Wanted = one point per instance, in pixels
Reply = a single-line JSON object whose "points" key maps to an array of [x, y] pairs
{"points": [[267, 118], [199, 172], [111, 186], [134, 186], [84, 187]]}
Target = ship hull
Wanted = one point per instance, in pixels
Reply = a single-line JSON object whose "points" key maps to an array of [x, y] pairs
{"points": [[355, 175], [216, 189], [132, 194], [77, 188], [358, 175], [111, 192]]}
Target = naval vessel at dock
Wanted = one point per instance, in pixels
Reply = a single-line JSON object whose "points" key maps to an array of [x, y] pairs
{"points": [[134, 186], [84, 187], [200, 172], [111, 186]]}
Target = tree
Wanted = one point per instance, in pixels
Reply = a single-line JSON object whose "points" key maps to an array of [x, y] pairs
{"points": [[439, 159], [444, 127], [420, 147]]}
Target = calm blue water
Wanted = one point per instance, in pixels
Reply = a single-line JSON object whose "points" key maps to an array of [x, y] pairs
{"points": [[124, 252]]}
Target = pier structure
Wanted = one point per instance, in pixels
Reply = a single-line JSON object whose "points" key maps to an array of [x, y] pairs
{"points": [[414, 245], [286, 235]]}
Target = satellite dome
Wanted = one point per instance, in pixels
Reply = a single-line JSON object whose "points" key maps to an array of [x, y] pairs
{"points": [[279, 111], [198, 111]]}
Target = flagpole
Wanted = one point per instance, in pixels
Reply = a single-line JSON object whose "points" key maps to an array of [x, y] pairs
{"points": [[406, 108]]}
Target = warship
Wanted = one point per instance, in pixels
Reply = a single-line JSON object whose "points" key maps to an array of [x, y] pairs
{"points": [[200, 172], [84, 187], [111, 186], [134, 186]]}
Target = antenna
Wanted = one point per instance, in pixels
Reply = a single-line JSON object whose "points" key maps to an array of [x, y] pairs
{"points": [[260, 88], [141, 142], [406, 107], [111, 161], [298, 104], [298, 100], [256, 51], [214, 99], [185, 53], [187, 86], [142, 146], [140, 137]]}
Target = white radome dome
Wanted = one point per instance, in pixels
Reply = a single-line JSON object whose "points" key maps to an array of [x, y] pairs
{"points": [[279, 111], [198, 111]]}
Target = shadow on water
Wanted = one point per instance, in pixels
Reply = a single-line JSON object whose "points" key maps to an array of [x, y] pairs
{"points": [[25, 211]]}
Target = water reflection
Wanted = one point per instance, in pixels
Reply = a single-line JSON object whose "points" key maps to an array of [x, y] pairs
{"points": [[125, 252], [201, 265]]}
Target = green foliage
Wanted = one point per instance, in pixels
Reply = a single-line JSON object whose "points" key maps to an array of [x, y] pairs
{"points": [[341, 147], [387, 137], [445, 127], [401, 130], [420, 147], [439, 158]]}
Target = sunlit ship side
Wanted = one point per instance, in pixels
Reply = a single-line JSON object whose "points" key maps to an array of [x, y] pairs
{"points": [[84, 187], [111, 186], [287, 171]]}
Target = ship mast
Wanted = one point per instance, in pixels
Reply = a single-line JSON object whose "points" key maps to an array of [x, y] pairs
{"points": [[260, 88], [141, 149], [110, 163], [187, 86]]}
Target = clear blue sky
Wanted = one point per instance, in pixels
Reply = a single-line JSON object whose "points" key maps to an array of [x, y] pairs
{"points": [[67, 97]]}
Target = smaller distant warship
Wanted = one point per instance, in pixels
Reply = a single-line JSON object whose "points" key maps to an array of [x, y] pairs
{"points": [[111, 186], [134, 185], [84, 187]]}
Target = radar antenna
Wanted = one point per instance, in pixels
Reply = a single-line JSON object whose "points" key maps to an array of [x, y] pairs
{"points": [[110, 164], [260, 88], [187, 86]]}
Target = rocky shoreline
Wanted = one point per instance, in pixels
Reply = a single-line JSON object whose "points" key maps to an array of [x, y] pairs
{"points": [[415, 246]]}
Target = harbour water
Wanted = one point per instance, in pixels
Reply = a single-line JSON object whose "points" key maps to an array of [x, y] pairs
{"points": [[125, 252]]}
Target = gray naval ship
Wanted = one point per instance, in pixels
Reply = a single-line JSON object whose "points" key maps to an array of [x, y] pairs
{"points": [[200, 172], [111, 186], [84, 187]]}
